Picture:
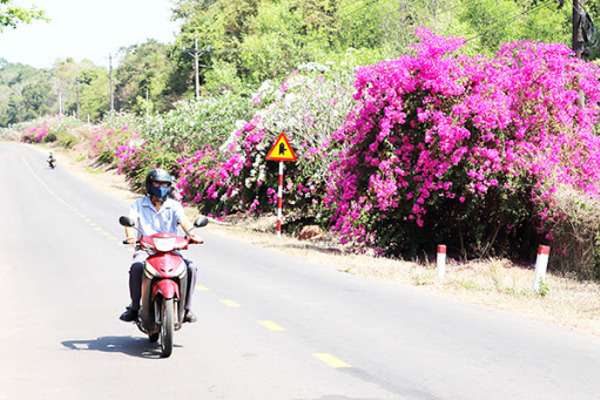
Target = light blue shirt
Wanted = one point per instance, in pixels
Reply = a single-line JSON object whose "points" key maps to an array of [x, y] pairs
{"points": [[150, 221]]}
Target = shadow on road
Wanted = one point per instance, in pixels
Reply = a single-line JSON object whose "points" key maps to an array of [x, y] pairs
{"points": [[132, 346]]}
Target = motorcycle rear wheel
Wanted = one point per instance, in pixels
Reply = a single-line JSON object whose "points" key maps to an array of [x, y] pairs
{"points": [[167, 324]]}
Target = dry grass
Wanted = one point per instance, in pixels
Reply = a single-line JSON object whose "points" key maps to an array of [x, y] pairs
{"points": [[495, 283]]}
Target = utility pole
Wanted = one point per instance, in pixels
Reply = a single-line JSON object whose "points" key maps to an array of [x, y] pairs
{"points": [[77, 80], [147, 110], [197, 54], [112, 95], [60, 110], [196, 65], [578, 40], [577, 27]]}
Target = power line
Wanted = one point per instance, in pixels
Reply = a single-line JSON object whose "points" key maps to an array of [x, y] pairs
{"points": [[450, 9], [341, 17], [511, 18], [349, 5], [296, 36], [505, 21]]}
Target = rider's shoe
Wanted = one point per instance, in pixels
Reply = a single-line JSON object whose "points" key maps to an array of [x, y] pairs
{"points": [[190, 317], [129, 315]]}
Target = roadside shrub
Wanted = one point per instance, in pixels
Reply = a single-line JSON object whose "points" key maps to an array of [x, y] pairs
{"points": [[105, 143], [194, 124], [36, 132], [443, 148], [116, 121], [66, 139], [308, 106], [62, 129], [48, 129]]}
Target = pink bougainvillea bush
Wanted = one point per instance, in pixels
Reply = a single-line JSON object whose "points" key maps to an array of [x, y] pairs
{"points": [[48, 129], [465, 151], [36, 133]]}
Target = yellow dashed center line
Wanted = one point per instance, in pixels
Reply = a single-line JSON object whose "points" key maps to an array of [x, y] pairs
{"points": [[272, 326], [69, 206], [230, 303], [331, 360], [201, 288]]}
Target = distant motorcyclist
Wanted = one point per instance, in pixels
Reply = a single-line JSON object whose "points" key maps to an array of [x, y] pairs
{"points": [[155, 213], [51, 160]]}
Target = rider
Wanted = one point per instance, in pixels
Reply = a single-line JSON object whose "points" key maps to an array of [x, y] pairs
{"points": [[51, 158], [155, 213]]}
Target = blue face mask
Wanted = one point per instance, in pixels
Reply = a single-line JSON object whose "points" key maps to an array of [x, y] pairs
{"points": [[159, 191]]}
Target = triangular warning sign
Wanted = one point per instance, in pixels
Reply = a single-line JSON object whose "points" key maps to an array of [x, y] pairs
{"points": [[281, 150]]}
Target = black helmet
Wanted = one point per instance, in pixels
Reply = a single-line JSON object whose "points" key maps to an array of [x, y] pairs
{"points": [[157, 175]]}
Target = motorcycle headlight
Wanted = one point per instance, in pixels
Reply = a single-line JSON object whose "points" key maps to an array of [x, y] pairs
{"points": [[165, 244]]}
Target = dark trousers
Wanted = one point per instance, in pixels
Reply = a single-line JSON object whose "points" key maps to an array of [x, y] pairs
{"points": [[135, 279]]}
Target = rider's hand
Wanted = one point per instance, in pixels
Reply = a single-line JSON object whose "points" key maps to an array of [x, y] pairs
{"points": [[130, 240], [196, 239]]}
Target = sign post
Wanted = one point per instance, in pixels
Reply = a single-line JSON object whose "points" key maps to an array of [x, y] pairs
{"points": [[281, 151]]}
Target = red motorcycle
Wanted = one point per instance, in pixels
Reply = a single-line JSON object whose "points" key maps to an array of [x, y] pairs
{"points": [[164, 285]]}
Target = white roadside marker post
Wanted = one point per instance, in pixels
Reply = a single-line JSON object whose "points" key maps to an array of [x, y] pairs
{"points": [[441, 260], [541, 263]]}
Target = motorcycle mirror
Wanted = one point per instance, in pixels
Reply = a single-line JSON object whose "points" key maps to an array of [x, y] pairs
{"points": [[126, 221], [200, 222]]}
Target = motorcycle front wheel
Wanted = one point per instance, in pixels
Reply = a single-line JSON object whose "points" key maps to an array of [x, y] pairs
{"points": [[167, 327]]}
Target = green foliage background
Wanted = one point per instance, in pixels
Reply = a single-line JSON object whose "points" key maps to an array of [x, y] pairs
{"points": [[242, 43]]}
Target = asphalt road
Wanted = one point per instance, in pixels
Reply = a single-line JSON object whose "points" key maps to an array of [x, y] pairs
{"points": [[270, 327]]}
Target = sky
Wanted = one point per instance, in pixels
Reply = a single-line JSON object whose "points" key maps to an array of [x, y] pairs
{"points": [[86, 29]]}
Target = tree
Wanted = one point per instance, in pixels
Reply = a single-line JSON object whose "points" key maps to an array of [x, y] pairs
{"points": [[90, 88], [144, 67], [26, 93], [220, 26], [12, 16]]}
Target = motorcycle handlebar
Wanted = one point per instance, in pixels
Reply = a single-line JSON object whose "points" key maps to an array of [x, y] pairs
{"points": [[138, 242]]}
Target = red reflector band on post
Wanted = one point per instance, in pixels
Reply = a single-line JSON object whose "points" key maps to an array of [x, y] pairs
{"points": [[544, 250], [441, 248]]}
